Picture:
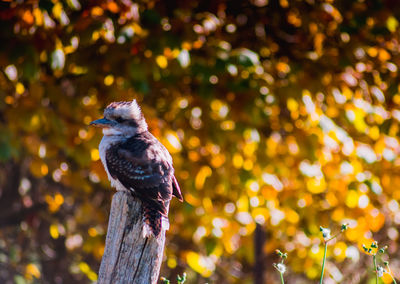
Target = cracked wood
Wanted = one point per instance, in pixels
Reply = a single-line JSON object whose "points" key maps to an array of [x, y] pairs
{"points": [[128, 256]]}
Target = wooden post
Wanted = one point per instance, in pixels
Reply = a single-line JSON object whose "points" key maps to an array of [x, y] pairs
{"points": [[128, 256]]}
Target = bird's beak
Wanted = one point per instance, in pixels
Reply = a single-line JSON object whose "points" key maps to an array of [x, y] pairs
{"points": [[103, 123]]}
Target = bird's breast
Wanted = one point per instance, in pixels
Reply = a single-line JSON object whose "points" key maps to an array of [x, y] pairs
{"points": [[105, 144]]}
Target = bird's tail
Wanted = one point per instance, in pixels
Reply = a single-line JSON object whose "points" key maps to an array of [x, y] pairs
{"points": [[155, 220]]}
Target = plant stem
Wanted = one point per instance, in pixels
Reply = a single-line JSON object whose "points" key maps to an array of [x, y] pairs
{"points": [[282, 281], [394, 280], [375, 268], [323, 263], [337, 234]]}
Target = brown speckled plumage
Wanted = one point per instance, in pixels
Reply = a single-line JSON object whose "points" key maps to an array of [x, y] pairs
{"points": [[138, 165], [137, 162]]}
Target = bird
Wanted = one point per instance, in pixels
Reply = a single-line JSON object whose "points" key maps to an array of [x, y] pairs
{"points": [[136, 162]]}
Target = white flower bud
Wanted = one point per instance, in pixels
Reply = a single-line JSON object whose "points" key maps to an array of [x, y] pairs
{"points": [[280, 267], [326, 233], [380, 270]]}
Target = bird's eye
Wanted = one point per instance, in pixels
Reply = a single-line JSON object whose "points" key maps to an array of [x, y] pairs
{"points": [[119, 119]]}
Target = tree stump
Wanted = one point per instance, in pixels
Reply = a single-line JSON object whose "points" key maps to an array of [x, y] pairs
{"points": [[129, 257]]}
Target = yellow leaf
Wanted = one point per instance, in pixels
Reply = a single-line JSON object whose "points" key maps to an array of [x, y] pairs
{"points": [[194, 142], [339, 251], [201, 176], [318, 42], [194, 156], [97, 11], [28, 17], [207, 204], [94, 154], [383, 55], [316, 185], [351, 199], [338, 214], [387, 278], [92, 276], [243, 204], [248, 165], [108, 80], [331, 198], [192, 200], [249, 149], [292, 105], [95, 35], [57, 10], [352, 235], [44, 169], [59, 199], [392, 24], [260, 212], [92, 232], [237, 160], [175, 53], [228, 125], [292, 216], [218, 160], [112, 7], [374, 132], [32, 270], [54, 231], [162, 61], [312, 272], [138, 29], [186, 45], [172, 142], [38, 16], [19, 88], [54, 203], [203, 265], [283, 67], [84, 267], [359, 122], [372, 51], [171, 262], [377, 220]]}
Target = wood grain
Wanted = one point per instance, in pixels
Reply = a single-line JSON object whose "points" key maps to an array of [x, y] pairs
{"points": [[128, 256]]}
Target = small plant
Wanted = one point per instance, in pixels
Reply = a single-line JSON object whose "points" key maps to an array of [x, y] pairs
{"points": [[165, 280], [389, 271], [379, 270], [326, 235], [281, 267], [179, 279]]}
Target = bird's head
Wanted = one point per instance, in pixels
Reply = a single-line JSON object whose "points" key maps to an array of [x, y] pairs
{"points": [[122, 118]]}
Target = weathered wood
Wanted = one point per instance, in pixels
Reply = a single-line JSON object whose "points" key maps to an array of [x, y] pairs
{"points": [[128, 256]]}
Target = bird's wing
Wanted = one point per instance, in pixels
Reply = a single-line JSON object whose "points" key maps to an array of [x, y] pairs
{"points": [[150, 178]]}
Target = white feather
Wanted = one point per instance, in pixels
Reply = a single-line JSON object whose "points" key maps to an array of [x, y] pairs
{"points": [[111, 132], [165, 223], [129, 111], [105, 143], [147, 232]]}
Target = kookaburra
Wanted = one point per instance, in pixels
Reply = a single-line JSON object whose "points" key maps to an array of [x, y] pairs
{"points": [[137, 162]]}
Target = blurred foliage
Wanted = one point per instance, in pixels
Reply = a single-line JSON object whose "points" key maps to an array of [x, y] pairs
{"points": [[282, 113]]}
